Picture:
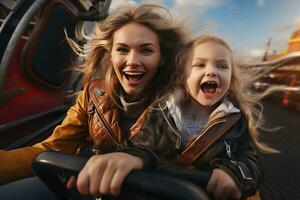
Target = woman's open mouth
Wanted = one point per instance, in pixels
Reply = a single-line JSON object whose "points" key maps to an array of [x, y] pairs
{"points": [[209, 87], [133, 75]]}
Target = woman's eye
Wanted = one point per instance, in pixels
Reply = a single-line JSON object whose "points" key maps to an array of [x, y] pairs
{"points": [[147, 51], [122, 50]]}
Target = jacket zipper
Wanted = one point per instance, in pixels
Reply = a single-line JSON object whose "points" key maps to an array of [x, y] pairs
{"points": [[228, 149], [234, 162], [106, 128], [178, 142]]}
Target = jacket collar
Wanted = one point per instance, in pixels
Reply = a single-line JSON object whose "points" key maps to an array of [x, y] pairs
{"points": [[132, 109], [173, 104]]}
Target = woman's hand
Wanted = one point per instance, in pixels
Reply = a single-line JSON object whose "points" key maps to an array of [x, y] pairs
{"points": [[104, 174], [222, 186]]}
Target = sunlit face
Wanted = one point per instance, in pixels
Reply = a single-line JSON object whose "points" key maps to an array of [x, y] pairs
{"points": [[135, 57], [209, 75]]}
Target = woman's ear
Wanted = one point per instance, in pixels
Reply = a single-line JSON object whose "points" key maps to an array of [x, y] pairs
{"points": [[161, 62]]}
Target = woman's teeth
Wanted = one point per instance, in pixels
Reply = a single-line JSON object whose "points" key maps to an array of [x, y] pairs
{"points": [[134, 75]]}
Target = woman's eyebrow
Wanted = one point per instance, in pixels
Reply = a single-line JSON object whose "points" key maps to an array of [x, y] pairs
{"points": [[141, 45], [121, 44], [148, 44]]}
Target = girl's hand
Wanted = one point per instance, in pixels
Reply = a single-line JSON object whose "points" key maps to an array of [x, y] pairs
{"points": [[104, 174], [222, 186]]}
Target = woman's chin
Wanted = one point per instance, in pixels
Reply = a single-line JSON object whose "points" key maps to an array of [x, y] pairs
{"points": [[133, 92]]}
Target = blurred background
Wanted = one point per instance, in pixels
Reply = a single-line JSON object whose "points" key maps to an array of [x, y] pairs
{"points": [[36, 83]]}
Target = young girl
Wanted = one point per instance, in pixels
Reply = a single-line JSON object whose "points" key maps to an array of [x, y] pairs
{"points": [[129, 63], [210, 123]]}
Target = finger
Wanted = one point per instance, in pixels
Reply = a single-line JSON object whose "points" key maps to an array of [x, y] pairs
{"points": [[211, 185], [235, 193], [96, 178], [83, 182], [219, 192], [117, 181], [71, 182], [227, 193], [107, 179]]}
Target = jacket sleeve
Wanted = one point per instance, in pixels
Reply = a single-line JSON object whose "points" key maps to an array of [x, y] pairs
{"points": [[149, 157], [67, 137], [158, 165], [242, 163]]}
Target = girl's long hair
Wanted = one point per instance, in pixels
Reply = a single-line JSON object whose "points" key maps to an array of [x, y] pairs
{"points": [[239, 91]]}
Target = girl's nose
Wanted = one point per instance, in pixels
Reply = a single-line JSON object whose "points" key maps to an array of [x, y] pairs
{"points": [[211, 71], [211, 74]]}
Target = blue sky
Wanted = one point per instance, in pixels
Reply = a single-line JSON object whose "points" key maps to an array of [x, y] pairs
{"points": [[245, 24]]}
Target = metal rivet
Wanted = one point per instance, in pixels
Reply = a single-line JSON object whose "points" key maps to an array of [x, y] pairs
{"points": [[99, 91]]}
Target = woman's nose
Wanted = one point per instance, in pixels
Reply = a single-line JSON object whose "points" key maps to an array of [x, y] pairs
{"points": [[133, 58]]}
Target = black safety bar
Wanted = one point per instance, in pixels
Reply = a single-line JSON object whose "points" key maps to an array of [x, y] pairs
{"points": [[48, 165]]}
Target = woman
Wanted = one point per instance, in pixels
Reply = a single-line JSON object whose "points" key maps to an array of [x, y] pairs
{"points": [[129, 64]]}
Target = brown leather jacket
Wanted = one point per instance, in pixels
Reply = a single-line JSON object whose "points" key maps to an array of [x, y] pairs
{"points": [[93, 117]]}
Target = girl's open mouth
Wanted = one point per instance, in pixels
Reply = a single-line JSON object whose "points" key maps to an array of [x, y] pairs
{"points": [[209, 87], [133, 75]]}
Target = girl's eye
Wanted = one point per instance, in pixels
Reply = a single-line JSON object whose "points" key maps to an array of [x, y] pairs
{"points": [[223, 66], [200, 65]]}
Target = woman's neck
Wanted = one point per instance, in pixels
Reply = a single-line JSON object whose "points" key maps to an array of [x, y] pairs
{"points": [[133, 108], [132, 98]]}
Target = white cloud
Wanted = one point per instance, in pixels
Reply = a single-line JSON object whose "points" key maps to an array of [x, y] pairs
{"points": [[187, 11], [118, 3], [261, 3], [257, 53], [194, 6], [276, 46], [245, 58], [190, 11], [290, 27], [297, 21], [285, 28], [202, 3], [249, 57]]}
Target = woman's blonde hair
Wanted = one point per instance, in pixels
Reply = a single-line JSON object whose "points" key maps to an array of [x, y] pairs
{"points": [[96, 53], [239, 92]]}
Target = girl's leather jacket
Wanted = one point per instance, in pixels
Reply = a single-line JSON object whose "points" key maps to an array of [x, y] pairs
{"points": [[223, 143]]}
